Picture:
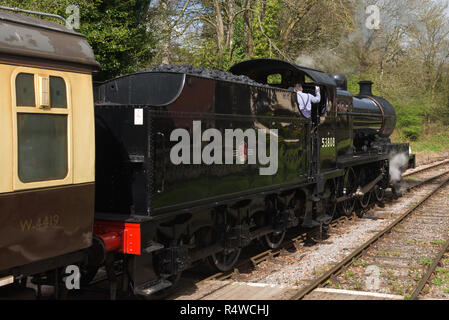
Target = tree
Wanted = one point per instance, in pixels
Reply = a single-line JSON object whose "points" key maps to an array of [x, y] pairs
{"points": [[266, 29], [116, 30]]}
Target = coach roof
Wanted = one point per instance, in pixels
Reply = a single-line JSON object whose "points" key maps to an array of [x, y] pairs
{"points": [[26, 36]]}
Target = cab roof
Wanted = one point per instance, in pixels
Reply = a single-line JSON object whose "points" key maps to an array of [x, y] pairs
{"points": [[260, 69]]}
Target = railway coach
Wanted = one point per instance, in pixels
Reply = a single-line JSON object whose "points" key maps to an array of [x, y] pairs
{"points": [[47, 148]]}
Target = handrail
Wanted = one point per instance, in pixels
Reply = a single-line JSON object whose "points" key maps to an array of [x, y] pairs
{"points": [[67, 24]]}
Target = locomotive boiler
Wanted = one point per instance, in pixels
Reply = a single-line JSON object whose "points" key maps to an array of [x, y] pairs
{"points": [[374, 118]]}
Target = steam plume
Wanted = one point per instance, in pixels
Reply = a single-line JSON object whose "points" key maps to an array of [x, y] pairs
{"points": [[397, 162]]}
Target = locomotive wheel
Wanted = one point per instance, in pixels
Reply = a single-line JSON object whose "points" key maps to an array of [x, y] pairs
{"points": [[379, 193], [330, 204], [349, 187], [273, 240], [347, 207], [365, 200], [225, 261], [363, 204]]}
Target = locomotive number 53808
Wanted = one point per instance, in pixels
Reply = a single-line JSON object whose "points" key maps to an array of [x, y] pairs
{"points": [[328, 143]]}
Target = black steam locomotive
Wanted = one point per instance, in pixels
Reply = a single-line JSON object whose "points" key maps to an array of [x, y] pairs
{"points": [[191, 165], [189, 210]]}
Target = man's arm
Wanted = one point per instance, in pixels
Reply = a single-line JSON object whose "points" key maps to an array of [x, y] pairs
{"points": [[317, 98]]}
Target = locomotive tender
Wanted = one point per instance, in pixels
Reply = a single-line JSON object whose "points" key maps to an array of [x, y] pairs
{"points": [[153, 216]]}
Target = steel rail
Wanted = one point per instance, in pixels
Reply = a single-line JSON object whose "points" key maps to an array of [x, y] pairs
{"points": [[432, 166], [430, 271], [414, 186], [360, 250]]}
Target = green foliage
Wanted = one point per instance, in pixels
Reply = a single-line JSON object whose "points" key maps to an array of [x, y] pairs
{"points": [[437, 142], [117, 33], [266, 32], [239, 50], [116, 30], [274, 79], [409, 119], [353, 83], [426, 261]]}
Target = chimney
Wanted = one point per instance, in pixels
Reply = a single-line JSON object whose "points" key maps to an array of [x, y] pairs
{"points": [[340, 80], [366, 88]]}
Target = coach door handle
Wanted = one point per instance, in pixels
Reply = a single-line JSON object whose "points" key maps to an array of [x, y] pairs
{"points": [[164, 159]]}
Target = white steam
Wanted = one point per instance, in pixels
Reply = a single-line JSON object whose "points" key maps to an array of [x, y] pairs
{"points": [[397, 163], [306, 61]]}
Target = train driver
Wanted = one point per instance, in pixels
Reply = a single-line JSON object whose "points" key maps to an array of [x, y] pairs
{"points": [[305, 100]]}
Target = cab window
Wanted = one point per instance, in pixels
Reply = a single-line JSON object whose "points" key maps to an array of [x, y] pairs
{"points": [[274, 79]]}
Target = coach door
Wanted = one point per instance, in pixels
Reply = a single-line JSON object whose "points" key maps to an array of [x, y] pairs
{"points": [[42, 130]]}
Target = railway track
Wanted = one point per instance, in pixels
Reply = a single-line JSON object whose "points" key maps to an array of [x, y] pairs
{"points": [[421, 178], [432, 270], [426, 167], [401, 254]]}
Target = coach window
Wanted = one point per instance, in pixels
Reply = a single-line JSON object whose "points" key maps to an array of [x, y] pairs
{"points": [[58, 93], [25, 96], [42, 133]]}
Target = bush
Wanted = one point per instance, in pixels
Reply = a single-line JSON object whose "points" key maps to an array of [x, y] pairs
{"points": [[411, 133], [409, 119]]}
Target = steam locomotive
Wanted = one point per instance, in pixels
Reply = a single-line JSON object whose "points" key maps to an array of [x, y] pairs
{"points": [[191, 165]]}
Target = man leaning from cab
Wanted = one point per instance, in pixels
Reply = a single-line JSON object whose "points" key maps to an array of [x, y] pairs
{"points": [[305, 100]]}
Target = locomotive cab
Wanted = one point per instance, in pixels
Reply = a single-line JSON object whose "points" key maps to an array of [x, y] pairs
{"points": [[285, 75]]}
